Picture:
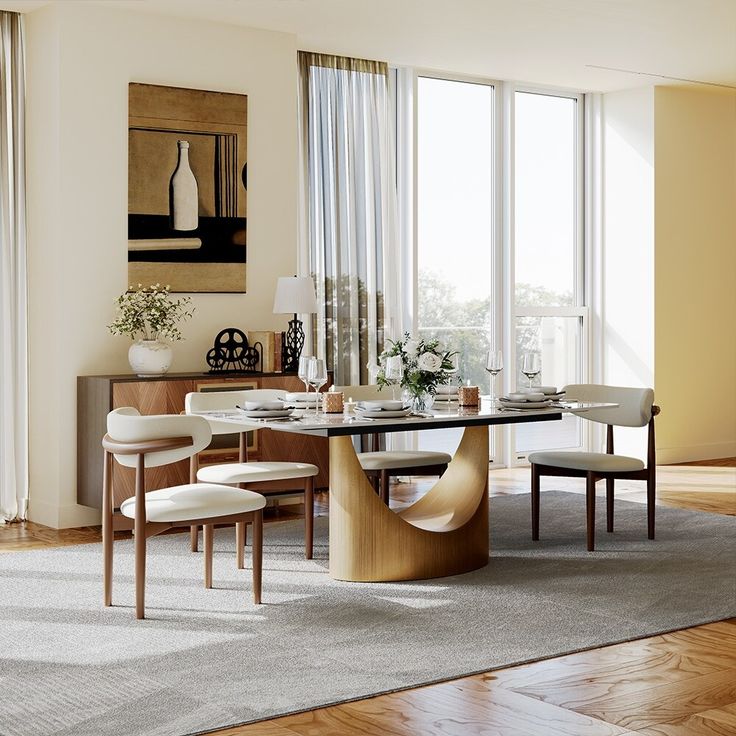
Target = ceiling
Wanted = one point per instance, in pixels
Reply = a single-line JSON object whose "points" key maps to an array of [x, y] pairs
{"points": [[550, 42]]}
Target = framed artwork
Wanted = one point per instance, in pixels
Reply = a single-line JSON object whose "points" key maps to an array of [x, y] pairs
{"points": [[187, 185]]}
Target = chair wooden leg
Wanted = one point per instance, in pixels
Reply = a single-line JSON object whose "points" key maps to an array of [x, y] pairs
{"points": [[140, 573], [257, 554], [139, 528], [209, 533], [194, 529], [609, 504], [107, 530], [240, 544], [535, 502], [308, 517], [385, 486], [651, 501], [590, 508]]}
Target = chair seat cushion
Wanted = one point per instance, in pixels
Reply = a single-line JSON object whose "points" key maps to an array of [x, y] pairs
{"points": [[255, 472], [587, 461], [396, 460], [195, 501]]}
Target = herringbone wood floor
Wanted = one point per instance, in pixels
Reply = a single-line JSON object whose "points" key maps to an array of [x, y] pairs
{"points": [[678, 684]]}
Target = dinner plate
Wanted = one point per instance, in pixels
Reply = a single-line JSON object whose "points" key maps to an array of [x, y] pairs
{"points": [[524, 404], [266, 414], [382, 414], [445, 397], [301, 404]]}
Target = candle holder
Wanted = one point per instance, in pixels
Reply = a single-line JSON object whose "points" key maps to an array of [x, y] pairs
{"points": [[468, 395], [332, 402]]}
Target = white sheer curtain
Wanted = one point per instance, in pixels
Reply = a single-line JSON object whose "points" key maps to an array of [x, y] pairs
{"points": [[13, 290], [347, 217]]}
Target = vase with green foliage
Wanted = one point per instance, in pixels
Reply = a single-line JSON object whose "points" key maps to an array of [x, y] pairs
{"points": [[150, 317]]}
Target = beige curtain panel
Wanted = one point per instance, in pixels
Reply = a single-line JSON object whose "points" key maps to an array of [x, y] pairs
{"points": [[13, 288]]}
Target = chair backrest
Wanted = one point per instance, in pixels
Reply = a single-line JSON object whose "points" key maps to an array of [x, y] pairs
{"points": [[127, 425], [197, 401], [634, 404], [364, 393]]}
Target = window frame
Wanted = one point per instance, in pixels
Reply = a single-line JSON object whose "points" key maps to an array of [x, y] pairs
{"points": [[496, 434]]}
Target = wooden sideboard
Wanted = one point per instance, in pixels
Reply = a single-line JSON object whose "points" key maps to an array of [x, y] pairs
{"points": [[98, 395]]}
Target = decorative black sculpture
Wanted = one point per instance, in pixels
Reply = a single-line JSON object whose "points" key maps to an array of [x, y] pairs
{"points": [[231, 353]]}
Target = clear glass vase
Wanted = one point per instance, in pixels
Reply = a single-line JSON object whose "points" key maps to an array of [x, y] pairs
{"points": [[420, 401]]}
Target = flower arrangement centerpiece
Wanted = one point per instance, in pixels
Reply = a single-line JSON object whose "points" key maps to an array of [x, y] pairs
{"points": [[149, 316], [425, 365]]}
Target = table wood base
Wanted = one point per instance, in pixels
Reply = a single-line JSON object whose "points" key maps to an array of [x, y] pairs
{"points": [[444, 533]]}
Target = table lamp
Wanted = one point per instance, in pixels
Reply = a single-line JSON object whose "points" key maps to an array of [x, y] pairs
{"points": [[294, 295]]}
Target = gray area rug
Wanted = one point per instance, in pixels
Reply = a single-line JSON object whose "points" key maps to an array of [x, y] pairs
{"points": [[209, 659]]}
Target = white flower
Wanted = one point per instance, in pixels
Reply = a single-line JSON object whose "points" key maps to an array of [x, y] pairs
{"points": [[411, 346], [429, 362]]}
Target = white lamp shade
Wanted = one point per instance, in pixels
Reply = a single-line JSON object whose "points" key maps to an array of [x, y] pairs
{"points": [[295, 295]]}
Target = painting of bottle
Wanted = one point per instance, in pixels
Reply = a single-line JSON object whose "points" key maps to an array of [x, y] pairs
{"points": [[183, 196]]}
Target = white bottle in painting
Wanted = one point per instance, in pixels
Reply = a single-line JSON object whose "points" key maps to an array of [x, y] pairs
{"points": [[183, 200]]}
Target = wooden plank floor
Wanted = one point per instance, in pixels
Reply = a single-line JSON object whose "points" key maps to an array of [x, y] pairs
{"points": [[678, 684]]}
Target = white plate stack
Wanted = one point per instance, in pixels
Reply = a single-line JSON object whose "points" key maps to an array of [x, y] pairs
{"points": [[536, 397], [382, 409]]}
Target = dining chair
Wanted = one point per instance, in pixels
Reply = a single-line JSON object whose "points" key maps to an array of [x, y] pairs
{"points": [[381, 465], [144, 442], [268, 478], [635, 408]]}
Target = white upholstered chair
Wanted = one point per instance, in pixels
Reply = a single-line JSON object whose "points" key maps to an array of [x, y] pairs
{"points": [[149, 441], [381, 465], [635, 409], [268, 478]]}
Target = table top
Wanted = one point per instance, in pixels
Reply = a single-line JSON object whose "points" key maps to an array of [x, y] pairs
{"points": [[442, 417]]}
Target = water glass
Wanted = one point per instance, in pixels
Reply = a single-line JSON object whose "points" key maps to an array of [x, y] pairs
{"points": [[531, 367], [317, 377]]}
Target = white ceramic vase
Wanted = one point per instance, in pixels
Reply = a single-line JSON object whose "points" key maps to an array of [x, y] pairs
{"points": [[150, 357]]}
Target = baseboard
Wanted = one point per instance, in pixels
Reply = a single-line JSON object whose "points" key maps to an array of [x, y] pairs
{"points": [[674, 455], [62, 517]]}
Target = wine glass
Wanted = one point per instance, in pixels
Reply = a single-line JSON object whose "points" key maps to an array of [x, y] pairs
{"points": [[317, 377], [303, 372], [494, 365], [394, 372], [531, 367]]}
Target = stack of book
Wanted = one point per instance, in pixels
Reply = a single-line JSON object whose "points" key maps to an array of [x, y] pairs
{"points": [[270, 345]]}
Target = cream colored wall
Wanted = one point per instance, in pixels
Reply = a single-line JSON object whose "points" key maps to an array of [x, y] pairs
{"points": [[80, 60], [695, 287]]}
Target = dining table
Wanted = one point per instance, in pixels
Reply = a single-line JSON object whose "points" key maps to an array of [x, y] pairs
{"points": [[445, 532]]}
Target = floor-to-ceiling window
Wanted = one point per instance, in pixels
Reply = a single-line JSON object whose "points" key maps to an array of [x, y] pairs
{"points": [[455, 218], [538, 306], [548, 316]]}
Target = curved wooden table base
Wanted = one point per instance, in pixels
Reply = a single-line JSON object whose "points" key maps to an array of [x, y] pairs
{"points": [[444, 533]]}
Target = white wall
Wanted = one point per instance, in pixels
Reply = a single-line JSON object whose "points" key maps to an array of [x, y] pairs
{"points": [[80, 60], [627, 299], [695, 210]]}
